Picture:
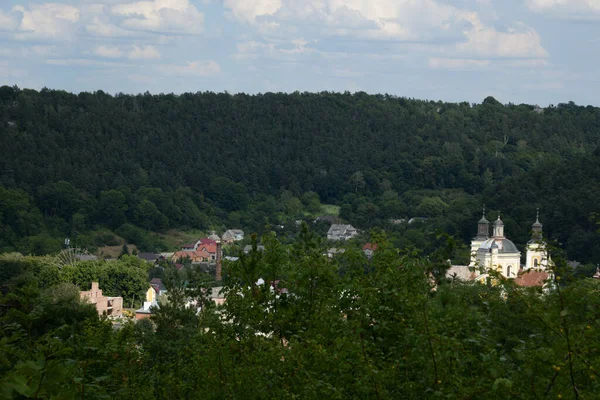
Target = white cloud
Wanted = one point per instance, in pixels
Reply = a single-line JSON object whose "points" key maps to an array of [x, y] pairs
{"points": [[47, 21], [248, 11], [424, 21], [518, 42], [144, 53], [108, 52], [192, 68], [175, 16]]}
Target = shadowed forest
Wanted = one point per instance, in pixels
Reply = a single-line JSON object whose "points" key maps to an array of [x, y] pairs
{"points": [[74, 164]]}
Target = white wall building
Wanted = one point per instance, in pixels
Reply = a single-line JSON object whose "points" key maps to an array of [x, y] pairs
{"points": [[498, 253]]}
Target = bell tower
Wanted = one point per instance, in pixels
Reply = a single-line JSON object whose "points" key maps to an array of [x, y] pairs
{"points": [[537, 255], [483, 234]]}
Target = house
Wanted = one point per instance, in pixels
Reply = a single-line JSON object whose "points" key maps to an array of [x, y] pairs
{"points": [[248, 248], [190, 246], [145, 311], [417, 219], [369, 249], [198, 243], [461, 273], [111, 306], [341, 232], [158, 285], [150, 257], [333, 251], [195, 256], [233, 235], [151, 294]]}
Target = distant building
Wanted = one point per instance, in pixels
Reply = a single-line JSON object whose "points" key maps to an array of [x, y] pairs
{"points": [[146, 310], [158, 286], [111, 306], [333, 251], [195, 257], [233, 235], [341, 232], [369, 249], [538, 110], [498, 253]]}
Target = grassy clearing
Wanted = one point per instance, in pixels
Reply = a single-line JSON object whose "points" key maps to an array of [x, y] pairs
{"points": [[175, 239], [330, 209], [114, 251]]}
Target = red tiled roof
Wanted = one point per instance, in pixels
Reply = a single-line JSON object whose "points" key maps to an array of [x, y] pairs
{"points": [[211, 248], [195, 256], [370, 246], [207, 241], [531, 278]]}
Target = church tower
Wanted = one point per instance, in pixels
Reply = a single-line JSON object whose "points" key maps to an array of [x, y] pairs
{"points": [[537, 256], [483, 234]]}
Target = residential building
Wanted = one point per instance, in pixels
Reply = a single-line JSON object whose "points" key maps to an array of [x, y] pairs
{"points": [[150, 257], [233, 235], [111, 306], [369, 249], [341, 232], [195, 256]]}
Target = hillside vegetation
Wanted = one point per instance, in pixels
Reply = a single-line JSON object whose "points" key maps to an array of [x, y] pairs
{"points": [[73, 163]]}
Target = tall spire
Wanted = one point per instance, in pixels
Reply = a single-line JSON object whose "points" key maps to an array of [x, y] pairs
{"points": [[536, 228], [483, 227]]}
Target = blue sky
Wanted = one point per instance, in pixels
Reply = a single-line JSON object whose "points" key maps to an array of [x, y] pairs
{"points": [[521, 51]]}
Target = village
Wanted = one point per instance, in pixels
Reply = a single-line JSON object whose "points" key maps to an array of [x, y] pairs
{"points": [[493, 257]]}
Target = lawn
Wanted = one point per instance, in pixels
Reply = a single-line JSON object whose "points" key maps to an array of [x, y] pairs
{"points": [[330, 209]]}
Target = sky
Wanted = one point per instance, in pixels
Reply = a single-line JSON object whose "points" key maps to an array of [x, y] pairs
{"points": [[519, 51]]}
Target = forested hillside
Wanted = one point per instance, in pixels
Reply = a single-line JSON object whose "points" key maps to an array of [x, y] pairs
{"points": [[71, 163]]}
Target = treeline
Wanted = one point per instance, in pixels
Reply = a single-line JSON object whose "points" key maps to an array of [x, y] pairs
{"points": [[347, 328], [213, 159]]}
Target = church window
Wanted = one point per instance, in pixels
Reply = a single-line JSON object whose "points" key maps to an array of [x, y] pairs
{"points": [[508, 270]]}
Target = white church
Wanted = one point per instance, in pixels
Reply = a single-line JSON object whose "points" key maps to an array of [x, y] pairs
{"points": [[500, 254]]}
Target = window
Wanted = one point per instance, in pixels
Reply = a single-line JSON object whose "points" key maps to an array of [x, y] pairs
{"points": [[508, 270], [536, 263]]}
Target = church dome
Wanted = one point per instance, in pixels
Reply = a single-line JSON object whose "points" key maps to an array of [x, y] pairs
{"points": [[498, 222], [503, 244]]}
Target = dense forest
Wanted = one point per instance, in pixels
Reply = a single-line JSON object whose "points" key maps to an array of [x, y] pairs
{"points": [[297, 324], [74, 163]]}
